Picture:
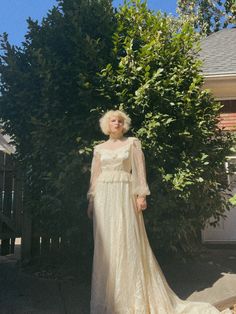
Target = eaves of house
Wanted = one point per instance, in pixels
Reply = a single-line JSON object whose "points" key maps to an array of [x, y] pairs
{"points": [[218, 53], [4, 144]]}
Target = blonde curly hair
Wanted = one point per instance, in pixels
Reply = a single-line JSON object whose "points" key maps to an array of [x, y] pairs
{"points": [[104, 120]]}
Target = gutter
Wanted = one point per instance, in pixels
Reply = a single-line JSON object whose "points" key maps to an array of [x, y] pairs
{"points": [[220, 75]]}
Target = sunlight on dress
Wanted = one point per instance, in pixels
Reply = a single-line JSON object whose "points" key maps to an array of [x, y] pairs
{"points": [[126, 277]]}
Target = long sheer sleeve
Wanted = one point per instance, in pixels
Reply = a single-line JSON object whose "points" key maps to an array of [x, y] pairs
{"points": [[95, 171], [139, 182]]}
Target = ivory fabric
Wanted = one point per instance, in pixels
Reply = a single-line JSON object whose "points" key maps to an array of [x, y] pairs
{"points": [[126, 277]]}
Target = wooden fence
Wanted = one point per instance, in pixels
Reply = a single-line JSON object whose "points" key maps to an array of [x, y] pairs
{"points": [[16, 221], [46, 245], [11, 203]]}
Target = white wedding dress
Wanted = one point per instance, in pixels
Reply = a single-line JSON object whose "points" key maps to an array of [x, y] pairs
{"points": [[126, 277]]}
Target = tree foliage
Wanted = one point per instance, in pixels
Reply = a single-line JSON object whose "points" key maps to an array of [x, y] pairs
{"points": [[48, 87], [156, 78], [208, 15], [84, 59]]}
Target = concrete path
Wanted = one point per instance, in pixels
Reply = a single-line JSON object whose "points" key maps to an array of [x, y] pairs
{"points": [[211, 278], [22, 293]]}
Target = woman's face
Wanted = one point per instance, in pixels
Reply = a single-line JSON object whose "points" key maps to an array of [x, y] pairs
{"points": [[116, 124]]}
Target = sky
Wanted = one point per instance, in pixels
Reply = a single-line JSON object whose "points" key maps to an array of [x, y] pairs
{"points": [[14, 13]]}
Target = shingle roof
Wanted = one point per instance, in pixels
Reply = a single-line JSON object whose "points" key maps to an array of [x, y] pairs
{"points": [[219, 52]]}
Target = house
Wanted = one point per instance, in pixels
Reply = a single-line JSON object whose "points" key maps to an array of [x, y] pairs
{"points": [[218, 52]]}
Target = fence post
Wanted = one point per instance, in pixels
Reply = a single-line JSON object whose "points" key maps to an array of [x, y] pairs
{"points": [[26, 240]]}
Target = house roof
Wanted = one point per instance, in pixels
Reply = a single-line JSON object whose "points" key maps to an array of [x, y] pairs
{"points": [[219, 53], [4, 144]]}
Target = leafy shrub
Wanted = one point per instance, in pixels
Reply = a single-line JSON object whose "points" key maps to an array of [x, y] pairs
{"points": [[156, 77]]}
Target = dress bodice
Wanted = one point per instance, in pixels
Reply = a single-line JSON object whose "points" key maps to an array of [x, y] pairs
{"points": [[115, 160], [123, 164], [115, 164]]}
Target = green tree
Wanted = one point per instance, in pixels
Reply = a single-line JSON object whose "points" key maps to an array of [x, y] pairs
{"points": [[208, 16], [48, 88], [84, 59], [155, 77]]}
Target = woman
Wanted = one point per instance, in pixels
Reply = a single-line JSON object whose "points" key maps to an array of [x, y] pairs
{"points": [[126, 276]]}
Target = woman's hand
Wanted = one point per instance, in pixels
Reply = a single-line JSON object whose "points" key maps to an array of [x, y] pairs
{"points": [[90, 209], [141, 203]]}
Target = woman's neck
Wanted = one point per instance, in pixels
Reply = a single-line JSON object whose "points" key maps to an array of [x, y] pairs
{"points": [[115, 137]]}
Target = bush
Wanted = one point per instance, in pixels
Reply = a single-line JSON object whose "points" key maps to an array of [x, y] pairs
{"points": [[48, 88], [155, 76], [84, 59]]}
